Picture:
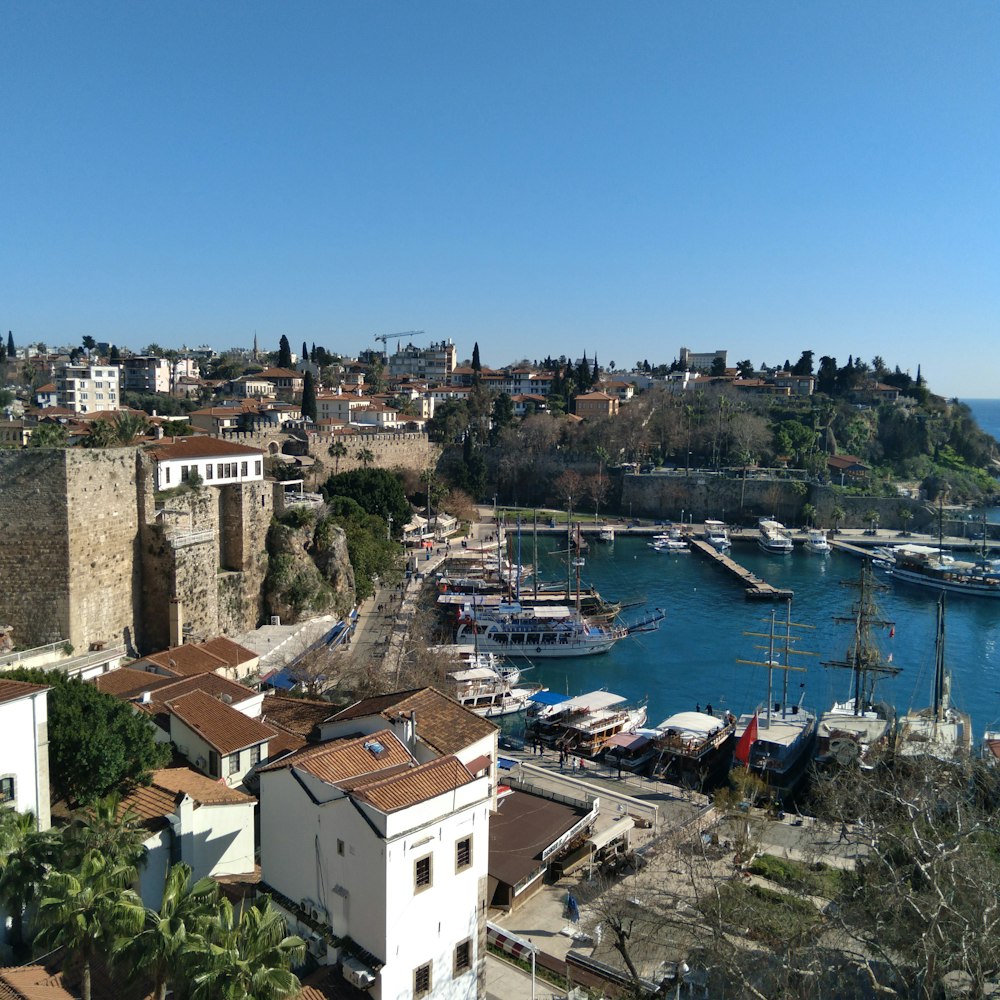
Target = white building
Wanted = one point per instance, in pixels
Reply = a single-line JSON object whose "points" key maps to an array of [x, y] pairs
{"points": [[87, 388], [141, 373], [24, 749], [434, 363], [195, 820], [381, 834], [215, 462]]}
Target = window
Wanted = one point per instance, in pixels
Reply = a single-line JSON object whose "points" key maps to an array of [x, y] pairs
{"points": [[233, 764], [463, 853], [422, 874], [166, 473], [7, 789], [255, 755], [422, 980], [220, 467], [463, 956], [243, 468], [184, 473], [257, 467], [340, 848], [214, 764], [208, 470]]}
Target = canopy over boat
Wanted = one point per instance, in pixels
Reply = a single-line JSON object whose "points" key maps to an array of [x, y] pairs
{"points": [[549, 698], [692, 725]]}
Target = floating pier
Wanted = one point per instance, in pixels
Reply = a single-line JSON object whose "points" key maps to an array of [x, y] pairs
{"points": [[755, 588]]}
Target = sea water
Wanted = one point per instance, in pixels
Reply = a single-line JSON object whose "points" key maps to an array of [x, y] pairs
{"points": [[693, 658], [987, 414]]}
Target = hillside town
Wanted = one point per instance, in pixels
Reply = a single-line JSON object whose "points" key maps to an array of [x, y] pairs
{"points": [[239, 756]]}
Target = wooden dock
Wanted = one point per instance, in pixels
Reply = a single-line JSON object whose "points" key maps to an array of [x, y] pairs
{"points": [[755, 588]]}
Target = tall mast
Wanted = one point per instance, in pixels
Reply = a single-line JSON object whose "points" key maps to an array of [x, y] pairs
{"points": [[864, 657], [569, 548], [772, 663], [534, 555], [518, 569], [940, 696]]}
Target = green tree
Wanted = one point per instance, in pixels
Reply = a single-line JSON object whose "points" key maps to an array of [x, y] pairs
{"points": [[49, 435], [85, 911], [11, 352], [477, 366], [89, 343], [100, 435], [745, 369], [129, 426], [337, 451], [905, 516], [503, 416], [284, 353], [97, 744], [114, 355], [309, 409], [376, 491], [171, 941], [116, 834], [838, 514], [808, 514], [804, 366], [250, 955], [718, 367], [26, 854], [365, 456]]}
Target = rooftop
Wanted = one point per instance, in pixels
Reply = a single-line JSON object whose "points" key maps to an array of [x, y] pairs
{"points": [[200, 446], [12, 690], [221, 727]]}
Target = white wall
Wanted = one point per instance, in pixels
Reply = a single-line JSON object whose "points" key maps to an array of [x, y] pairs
{"points": [[24, 753], [169, 471]]}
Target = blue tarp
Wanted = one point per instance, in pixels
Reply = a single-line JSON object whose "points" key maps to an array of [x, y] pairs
{"points": [[280, 679], [506, 763], [549, 698]]}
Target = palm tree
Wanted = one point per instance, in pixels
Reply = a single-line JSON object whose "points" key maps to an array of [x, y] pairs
{"points": [[83, 911], [905, 515], [26, 853], [48, 435], [250, 956], [337, 451], [172, 936], [101, 435], [838, 514], [365, 456], [104, 827], [808, 514], [129, 426]]}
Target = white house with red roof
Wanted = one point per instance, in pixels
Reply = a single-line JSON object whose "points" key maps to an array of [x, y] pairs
{"points": [[214, 461], [24, 749], [363, 841]]}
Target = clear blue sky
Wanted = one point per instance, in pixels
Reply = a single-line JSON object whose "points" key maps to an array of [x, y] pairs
{"points": [[542, 178]]}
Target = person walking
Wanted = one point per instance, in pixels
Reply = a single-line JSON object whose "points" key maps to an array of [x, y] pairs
{"points": [[844, 835]]}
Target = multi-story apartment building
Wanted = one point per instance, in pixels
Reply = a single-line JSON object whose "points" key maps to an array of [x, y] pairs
{"points": [[434, 363], [141, 373], [87, 388], [702, 361]]}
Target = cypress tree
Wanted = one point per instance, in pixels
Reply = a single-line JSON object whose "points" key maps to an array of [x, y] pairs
{"points": [[309, 397], [284, 353], [114, 356], [476, 364], [305, 351], [596, 373], [10, 344], [312, 353]]}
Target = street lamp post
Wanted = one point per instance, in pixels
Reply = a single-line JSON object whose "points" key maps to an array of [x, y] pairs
{"points": [[388, 529]]}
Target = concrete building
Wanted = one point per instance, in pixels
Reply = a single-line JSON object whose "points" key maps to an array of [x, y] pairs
{"points": [[142, 373], [87, 388], [434, 363], [24, 749], [595, 404], [365, 842], [700, 361], [217, 463]]}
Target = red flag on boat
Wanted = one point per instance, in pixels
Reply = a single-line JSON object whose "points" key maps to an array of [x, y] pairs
{"points": [[892, 632], [742, 753]]}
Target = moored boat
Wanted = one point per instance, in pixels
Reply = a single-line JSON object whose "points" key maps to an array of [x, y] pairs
{"points": [[717, 536], [773, 537], [488, 694], [816, 541], [607, 534], [941, 730], [694, 749], [931, 567], [584, 724]]}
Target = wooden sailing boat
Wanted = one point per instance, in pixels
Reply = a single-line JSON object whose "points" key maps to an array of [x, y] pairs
{"points": [[851, 729], [940, 731]]}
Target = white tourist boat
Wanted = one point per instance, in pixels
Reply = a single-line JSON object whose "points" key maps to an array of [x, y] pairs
{"points": [[927, 566], [773, 536], [584, 724], [717, 536], [488, 693], [607, 534], [941, 730], [816, 541], [670, 541]]}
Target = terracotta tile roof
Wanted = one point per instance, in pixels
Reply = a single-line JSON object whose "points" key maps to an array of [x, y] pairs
{"points": [[221, 727], [442, 723], [126, 682], [151, 804], [220, 688], [200, 446], [47, 981], [284, 743], [279, 373], [346, 759], [233, 653], [415, 784], [295, 715], [186, 660], [204, 790], [12, 690]]}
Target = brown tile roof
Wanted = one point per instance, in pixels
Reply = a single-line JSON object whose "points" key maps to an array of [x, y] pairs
{"points": [[284, 743], [343, 760], [200, 446], [186, 660], [221, 727], [12, 690], [233, 653], [47, 980], [204, 790], [127, 682], [442, 723], [220, 688], [295, 715], [415, 785]]}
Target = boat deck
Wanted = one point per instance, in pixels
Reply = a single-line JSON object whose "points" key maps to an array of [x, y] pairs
{"points": [[755, 588]]}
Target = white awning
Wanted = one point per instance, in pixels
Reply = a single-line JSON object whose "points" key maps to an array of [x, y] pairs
{"points": [[617, 829]]}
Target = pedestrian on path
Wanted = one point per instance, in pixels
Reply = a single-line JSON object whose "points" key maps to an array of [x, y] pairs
{"points": [[844, 836]]}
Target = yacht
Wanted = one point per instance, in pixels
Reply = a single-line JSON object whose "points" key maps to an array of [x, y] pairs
{"points": [[585, 724], [717, 536], [940, 731], [773, 537], [488, 694], [607, 534], [695, 749], [816, 541], [670, 541]]}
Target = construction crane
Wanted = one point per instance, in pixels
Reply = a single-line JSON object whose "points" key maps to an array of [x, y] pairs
{"points": [[384, 337]]}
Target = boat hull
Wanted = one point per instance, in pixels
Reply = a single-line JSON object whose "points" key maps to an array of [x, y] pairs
{"points": [[974, 587]]}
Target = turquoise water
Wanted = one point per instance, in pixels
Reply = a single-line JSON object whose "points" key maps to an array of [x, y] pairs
{"points": [[987, 414], [692, 658]]}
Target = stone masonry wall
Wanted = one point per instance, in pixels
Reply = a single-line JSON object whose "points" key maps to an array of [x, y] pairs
{"points": [[245, 512], [34, 552]]}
